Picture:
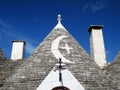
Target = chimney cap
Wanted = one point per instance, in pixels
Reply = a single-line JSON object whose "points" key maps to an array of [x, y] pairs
{"points": [[19, 41], [95, 27]]}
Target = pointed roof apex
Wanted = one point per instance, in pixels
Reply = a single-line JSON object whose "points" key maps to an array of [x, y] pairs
{"points": [[59, 25]]}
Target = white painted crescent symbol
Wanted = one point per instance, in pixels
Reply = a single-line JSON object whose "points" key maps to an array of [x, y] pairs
{"points": [[56, 52]]}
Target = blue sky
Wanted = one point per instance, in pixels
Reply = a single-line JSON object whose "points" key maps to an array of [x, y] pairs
{"points": [[32, 20]]}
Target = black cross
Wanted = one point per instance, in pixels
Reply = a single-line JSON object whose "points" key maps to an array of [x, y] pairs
{"points": [[60, 67]]}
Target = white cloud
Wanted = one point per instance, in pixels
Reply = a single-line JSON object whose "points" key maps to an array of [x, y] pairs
{"points": [[30, 42], [14, 36], [5, 29], [96, 5], [11, 34], [3, 24], [29, 48], [107, 52]]}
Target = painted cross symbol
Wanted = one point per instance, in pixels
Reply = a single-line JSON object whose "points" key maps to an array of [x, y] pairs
{"points": [[67, 48]]}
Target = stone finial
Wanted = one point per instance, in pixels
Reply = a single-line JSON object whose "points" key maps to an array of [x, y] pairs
{"points": [[59, 18], [59, 25]]}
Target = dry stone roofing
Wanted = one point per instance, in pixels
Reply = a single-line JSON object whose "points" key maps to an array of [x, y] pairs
{"points": [[29, 74]]}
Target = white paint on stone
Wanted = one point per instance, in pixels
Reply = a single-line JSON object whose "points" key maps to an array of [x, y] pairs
{"points": [[67, 48], [17, 50], [55, 49], [52, 80], [97, 46]]}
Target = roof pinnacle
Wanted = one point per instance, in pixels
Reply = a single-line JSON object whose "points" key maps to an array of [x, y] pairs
{"points": [[59, 18], [59, 25]]}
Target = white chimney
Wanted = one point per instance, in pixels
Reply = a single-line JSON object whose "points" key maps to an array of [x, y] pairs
{"points": [[97, 45], [18, 49]]}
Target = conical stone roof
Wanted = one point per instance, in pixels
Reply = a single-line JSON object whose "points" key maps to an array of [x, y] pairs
{"points": [[30, 74], [113, 70], [2, 56]]}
